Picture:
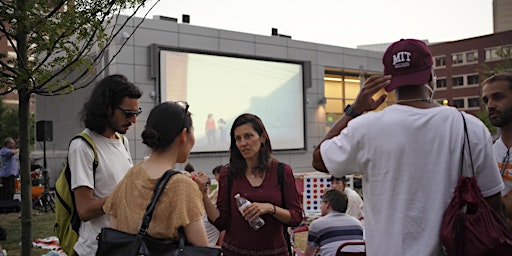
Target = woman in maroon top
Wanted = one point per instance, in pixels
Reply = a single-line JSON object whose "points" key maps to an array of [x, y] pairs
{"points": [[254, 173]]}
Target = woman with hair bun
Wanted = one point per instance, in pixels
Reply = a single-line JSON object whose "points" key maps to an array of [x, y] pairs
{"points": [[170, 136]]}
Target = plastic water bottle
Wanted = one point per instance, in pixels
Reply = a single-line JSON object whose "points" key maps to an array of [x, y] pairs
{"points": [[242, 203]]}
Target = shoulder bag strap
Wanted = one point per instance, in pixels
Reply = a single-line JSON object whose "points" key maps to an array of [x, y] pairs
{"points": [[159, 187], [466, 138]]}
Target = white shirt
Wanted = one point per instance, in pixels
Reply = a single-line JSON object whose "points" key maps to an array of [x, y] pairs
{"points": [[114, 160], [409, 158]]}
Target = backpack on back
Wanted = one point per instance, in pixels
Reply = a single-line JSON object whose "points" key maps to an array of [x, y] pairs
{"points": [[67, 222]]}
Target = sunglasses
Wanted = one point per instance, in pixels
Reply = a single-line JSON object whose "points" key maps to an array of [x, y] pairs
{"points": [[504, 163], [130, 113], [185, 106]]}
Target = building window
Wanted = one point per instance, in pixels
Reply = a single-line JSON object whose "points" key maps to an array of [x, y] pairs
{"points": [[474, 102], [472, 56], [441, 83], [472, 79], [458, 103], [458, 81], [440, 61], [458, 58], [14, 43], [492, 54]]}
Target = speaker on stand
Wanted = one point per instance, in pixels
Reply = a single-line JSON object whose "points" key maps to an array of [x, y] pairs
{"points": [[44, 133]]}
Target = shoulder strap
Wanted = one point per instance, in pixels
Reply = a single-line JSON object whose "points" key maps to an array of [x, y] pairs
{"points": [[91, 144], [157, 191], [280, 177], [280, 180], [466, 138]]}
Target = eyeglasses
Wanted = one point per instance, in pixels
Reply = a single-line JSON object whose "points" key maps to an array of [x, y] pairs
{"points": [[130, 113], [504, 163], [185, 106]]}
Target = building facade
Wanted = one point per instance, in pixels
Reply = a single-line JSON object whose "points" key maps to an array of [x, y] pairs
{"points": [[334, 76], [462, 65]]}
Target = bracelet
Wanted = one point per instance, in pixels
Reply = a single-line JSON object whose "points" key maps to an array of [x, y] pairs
{"points": [[274, 213]]}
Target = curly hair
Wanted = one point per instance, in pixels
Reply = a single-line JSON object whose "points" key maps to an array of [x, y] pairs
{"points": [[108, 93], [165, 122], [237, 161]]}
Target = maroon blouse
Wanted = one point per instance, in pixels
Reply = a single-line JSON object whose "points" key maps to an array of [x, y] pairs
{"points": [[240, 239]]}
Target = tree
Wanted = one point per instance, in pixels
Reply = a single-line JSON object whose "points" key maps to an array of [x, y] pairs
{"points": [[58, 46], [9, 123]]}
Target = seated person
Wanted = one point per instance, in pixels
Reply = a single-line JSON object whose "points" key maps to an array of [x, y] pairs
{"points": [[355, 202], [335, 227]]}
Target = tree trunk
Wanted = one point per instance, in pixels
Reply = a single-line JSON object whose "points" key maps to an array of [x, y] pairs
{"points": [[26, 184]]}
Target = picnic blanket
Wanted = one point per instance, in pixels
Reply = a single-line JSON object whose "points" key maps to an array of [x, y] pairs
{"points": [[50, 243]]}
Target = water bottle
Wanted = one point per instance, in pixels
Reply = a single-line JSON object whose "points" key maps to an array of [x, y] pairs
{"points": [[242, 203]]}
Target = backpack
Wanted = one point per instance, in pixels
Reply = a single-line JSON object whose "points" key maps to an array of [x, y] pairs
{"points": [[67, 222], [280, 179]]}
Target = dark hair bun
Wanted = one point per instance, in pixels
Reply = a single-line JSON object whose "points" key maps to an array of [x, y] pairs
{"points": [[150, 138]]}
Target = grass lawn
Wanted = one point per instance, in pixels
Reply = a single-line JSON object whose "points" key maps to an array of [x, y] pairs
{"points": [[42, 227]]}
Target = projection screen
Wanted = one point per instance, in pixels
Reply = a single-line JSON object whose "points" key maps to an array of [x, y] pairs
{"points": [[223, 87]]}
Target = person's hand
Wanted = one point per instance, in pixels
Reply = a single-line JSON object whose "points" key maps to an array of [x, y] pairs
{"points": [[202, 181], [254, 210], [364, 101]]}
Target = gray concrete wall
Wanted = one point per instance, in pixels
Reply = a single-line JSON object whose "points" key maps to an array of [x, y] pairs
{"points": [[133, 61]]}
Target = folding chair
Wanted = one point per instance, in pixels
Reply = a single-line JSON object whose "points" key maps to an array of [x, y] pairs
{"points": [[340, 253]]}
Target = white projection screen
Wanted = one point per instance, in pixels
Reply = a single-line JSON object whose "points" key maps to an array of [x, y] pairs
{"points": [[227, 86]]}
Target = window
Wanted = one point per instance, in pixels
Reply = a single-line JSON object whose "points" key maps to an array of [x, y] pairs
{"points": [[458, 58], [458, 103], [472, 79], [440, 61], [458, 81], [471, 56], [441, 83], [474, 102]]}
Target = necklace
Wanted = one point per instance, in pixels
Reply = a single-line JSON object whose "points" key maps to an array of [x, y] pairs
{"points": [[419, 99]]}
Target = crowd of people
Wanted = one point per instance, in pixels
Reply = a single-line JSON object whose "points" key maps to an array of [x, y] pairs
{"points": [[408, 166]]}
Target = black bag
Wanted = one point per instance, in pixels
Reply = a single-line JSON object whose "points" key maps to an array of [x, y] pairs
{"points": [[113, 242]]}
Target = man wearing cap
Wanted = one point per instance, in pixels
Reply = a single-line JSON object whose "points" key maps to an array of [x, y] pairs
{"points": [[408, 154]]}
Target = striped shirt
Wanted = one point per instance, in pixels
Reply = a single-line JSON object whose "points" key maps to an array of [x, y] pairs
{"points": [[330, 231]]}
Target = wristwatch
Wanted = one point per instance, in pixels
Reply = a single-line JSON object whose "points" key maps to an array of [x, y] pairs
{"points": [[349, 110]]}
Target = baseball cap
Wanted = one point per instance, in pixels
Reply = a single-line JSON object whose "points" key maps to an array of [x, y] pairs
{"points": [[409, 62]]}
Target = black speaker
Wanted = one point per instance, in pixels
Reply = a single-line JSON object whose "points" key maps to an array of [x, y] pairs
{"points": [[44, 130]]}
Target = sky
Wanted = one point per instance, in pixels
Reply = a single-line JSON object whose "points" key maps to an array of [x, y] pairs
{"points": [[337, 22]]}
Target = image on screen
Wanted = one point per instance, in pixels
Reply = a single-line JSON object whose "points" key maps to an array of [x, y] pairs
{"points": [[219, 88]]}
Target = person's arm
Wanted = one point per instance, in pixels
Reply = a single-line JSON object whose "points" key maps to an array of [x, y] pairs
{"points": [[496, 203], [196, 233], [113, 222], [507, 202], [310, 250], [87, 206], [363, 103], [211, 210]]}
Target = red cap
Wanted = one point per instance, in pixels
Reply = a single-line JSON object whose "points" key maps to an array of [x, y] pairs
{"points": [[409, 62]]}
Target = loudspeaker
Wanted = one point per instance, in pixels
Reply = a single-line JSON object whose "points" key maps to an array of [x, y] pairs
{"points": [[44, 130]]}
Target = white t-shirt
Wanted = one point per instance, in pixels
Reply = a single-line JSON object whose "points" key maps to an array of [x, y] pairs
{"points": [[114, 160], [409, 158], [500, 151], [355, 203]]}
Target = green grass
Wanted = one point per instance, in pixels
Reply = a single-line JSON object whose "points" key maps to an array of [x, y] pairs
{"points": [[42, 227]]}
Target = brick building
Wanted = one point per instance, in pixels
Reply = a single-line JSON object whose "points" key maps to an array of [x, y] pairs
{"points": [[462, 65]]}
